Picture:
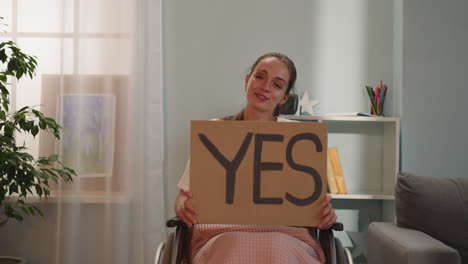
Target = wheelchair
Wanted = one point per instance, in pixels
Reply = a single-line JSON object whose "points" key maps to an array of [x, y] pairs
{"points": [[175, 248]]}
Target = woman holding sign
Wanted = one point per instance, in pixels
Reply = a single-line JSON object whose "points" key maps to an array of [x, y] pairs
{"points": [[267, 87]]}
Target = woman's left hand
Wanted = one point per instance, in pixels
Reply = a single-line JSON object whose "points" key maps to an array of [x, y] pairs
{"points": [[327, 216]]}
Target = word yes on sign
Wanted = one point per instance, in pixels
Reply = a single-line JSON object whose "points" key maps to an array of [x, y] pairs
{"points": [[271, 173]]}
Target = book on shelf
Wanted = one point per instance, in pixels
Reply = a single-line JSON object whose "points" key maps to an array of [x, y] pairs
{"points": [[332, 188], [334, 158]]}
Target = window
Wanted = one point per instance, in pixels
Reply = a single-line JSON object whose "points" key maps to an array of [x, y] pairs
{"points": [[84, 51]]}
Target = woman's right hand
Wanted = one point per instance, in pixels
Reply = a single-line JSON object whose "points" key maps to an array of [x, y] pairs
{"points": [[184, 209]]}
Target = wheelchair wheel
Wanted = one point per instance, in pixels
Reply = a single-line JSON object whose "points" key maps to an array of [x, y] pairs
{"points": [[340, 252], [167, 253]]}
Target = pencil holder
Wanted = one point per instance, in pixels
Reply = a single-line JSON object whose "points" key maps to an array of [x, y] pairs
{"points": [[377, 98]]}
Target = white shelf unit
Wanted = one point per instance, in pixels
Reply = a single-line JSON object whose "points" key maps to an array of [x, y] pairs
{"points": [[369, 149]]}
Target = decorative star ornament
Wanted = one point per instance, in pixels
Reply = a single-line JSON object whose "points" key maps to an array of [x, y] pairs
{"points": [[306, 105]]}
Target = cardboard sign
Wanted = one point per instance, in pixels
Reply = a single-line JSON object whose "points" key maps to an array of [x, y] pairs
{"points": [[269, 173]]}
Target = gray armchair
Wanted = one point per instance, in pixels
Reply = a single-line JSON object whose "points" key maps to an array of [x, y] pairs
{"points": [[431, 226]]}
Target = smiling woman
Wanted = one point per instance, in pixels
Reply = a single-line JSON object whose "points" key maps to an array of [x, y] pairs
{"points": [[267, 86]]}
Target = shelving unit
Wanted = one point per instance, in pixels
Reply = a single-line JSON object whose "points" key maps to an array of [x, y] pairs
{"points": [[369, 150]]}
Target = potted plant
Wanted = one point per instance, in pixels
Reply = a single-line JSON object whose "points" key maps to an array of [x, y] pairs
{"points": [[21, 174]]}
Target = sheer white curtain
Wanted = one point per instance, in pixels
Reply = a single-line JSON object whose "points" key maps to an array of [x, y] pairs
{"points": [[100, 77]]}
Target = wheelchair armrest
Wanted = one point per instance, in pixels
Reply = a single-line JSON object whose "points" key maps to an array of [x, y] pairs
{"points": [[175, 222], [337, 226], [180, 239]]}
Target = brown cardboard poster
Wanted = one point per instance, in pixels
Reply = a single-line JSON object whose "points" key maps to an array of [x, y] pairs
{"points": [[269, 173]]}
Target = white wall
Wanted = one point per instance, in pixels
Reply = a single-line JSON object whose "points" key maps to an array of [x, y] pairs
{"points": [[434, 121], [350, 45], [209, 46], [338, 46]]}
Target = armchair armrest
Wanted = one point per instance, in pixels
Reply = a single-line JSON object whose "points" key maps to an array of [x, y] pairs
{"points": [[389, 243]]}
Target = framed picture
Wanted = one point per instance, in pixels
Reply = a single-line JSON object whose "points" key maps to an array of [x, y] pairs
{"points": [[92, 112], [88, 125]]}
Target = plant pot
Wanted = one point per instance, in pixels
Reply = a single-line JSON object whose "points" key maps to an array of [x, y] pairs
{"points": [[12, 260]]}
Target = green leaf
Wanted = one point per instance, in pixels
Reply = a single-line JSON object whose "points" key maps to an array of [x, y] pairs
{"points": [[23, 191], [12, 65], [43, 161], [18, 217], [31, 210], [3, 56], [37, 113], [28, 157], [64, 175], [22, 109], [24, 210], [13, 188], [19, 74], [3, 78], [8, 129], [52, 158], [46, 183], [71, 171], [51, 123], [34, 130], [38, 190], [42, 124], [5, 104], [38, 210], [30, 125], [22, 123]]}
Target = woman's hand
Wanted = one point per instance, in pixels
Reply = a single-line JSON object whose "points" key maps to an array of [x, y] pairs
{"points": [[184, 209], [327, 216]]}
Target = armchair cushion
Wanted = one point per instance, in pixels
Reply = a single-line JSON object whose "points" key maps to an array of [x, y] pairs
{"points": [[435, 206], [391, 244]]}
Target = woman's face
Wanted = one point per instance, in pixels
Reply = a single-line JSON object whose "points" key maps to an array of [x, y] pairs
{"points": [[267, 84]]}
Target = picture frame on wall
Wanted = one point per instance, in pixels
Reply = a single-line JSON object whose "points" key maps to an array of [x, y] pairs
{"points": [[88, 126], [92, 112]]}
